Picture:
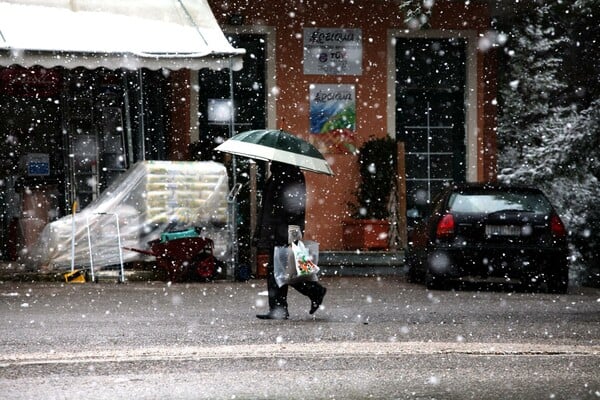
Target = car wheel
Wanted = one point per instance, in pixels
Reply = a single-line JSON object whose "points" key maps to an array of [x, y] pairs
{"points": [[435, 282], [558, 283], [412, 274]]}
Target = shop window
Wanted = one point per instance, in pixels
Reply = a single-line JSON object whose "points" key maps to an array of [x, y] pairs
{"points": [[31, 148]]}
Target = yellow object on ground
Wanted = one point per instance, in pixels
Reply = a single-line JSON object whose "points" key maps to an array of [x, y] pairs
{"points": [[76, 276]]}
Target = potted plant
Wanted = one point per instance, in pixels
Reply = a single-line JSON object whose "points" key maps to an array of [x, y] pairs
{"points": [[368, 227]]}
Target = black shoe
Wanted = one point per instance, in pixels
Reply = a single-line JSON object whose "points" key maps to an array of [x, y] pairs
{"points": [[274, 314], [314, 306]]}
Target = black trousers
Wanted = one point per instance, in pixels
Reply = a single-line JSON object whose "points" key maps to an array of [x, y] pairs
{"points": [[278, 295]]}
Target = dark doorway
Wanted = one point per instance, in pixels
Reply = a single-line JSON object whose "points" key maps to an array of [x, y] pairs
{"points": [[249, 97], [430, 116], [250, 112]]}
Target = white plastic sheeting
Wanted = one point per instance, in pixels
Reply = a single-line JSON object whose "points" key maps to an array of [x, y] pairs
{"points": [[147, 199], [129, 34]]}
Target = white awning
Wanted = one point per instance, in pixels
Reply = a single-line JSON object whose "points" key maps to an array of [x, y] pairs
{"points": [[114, 34]]}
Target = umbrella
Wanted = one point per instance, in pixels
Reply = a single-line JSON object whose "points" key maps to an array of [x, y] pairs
{"points": [[277, 145]]}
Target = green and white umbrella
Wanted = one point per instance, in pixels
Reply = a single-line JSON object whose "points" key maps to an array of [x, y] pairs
{"points": [[277, 145]]}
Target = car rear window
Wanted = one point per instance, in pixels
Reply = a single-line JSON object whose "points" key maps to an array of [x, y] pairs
{"points": [[499, 201]]}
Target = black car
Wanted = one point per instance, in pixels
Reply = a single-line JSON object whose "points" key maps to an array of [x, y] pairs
{"points": [[491, 233]]}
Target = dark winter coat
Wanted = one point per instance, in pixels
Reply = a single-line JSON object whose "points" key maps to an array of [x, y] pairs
{"points": [[283, 204]]}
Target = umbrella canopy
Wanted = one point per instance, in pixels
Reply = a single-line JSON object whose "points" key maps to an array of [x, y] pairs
{"points": [[277, 145]]}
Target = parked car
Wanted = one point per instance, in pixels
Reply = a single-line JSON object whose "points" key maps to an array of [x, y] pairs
{"points": [[490, 233]]}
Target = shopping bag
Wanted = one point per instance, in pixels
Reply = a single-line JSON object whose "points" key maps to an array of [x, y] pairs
{"points": [[283, 265], [304, 260]]}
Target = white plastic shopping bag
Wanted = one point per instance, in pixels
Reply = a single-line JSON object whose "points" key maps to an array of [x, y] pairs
{"points": [[304, 260], [290, 269], [283, 265]]}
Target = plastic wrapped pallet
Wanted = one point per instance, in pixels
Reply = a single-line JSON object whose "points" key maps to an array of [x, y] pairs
{"points": [[147, 199]]}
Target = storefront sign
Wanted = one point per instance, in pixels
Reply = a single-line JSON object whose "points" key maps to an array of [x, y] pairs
{"points": [[37, 164], [332, 51], [333, 116]]}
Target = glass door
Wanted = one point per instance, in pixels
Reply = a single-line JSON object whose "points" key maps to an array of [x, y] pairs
{"points": [[430, 109]]}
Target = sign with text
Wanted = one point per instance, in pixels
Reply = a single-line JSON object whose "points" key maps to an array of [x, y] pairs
{"points": [[332, 51], [333, 116]]}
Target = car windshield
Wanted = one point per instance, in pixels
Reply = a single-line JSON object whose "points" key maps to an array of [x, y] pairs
{"points": [[490, 202]]}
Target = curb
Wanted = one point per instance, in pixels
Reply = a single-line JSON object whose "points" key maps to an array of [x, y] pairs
{"points": [[57, 276], [332, 263], [152, 276]]}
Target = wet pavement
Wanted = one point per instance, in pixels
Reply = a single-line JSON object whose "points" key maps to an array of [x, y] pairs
{"points": [[375, 337]]}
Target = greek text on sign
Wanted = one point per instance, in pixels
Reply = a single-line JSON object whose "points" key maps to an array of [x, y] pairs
{"points": [[332, 51]]}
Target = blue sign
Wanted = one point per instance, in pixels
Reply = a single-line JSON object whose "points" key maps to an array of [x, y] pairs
{"points": [[38, 164]]}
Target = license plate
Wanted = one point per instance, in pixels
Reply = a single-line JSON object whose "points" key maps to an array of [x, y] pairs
{"points": [[502, 230]]}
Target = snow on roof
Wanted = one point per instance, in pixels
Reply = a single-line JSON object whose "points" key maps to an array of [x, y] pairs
{"points": [[113, 34]]}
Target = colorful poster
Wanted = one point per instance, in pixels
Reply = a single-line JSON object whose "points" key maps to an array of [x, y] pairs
{"points": [[333, 116], [332, 51]]}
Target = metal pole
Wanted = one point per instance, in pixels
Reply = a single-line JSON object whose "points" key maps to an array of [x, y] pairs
{"points": [[122, 275], [253, 208], [142, 128], [126, 104], [234, 171], [73, 236], [87, 220], [232, 119]]}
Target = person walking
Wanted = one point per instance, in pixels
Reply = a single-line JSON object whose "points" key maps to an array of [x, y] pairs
{"points": [[283, 204]]}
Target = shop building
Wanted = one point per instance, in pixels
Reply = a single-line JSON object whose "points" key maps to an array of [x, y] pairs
{"points": [[431, 89], [87, 89]]}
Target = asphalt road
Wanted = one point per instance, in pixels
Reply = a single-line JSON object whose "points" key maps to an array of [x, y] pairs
{"points": [[376, 338]]}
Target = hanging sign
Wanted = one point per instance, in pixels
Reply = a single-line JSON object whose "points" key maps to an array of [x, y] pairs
{"points": [[333, 116], [332, 51]]}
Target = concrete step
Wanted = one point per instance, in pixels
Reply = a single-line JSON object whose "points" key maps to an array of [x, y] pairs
{"points": [[361, 263], [332, 263]]}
